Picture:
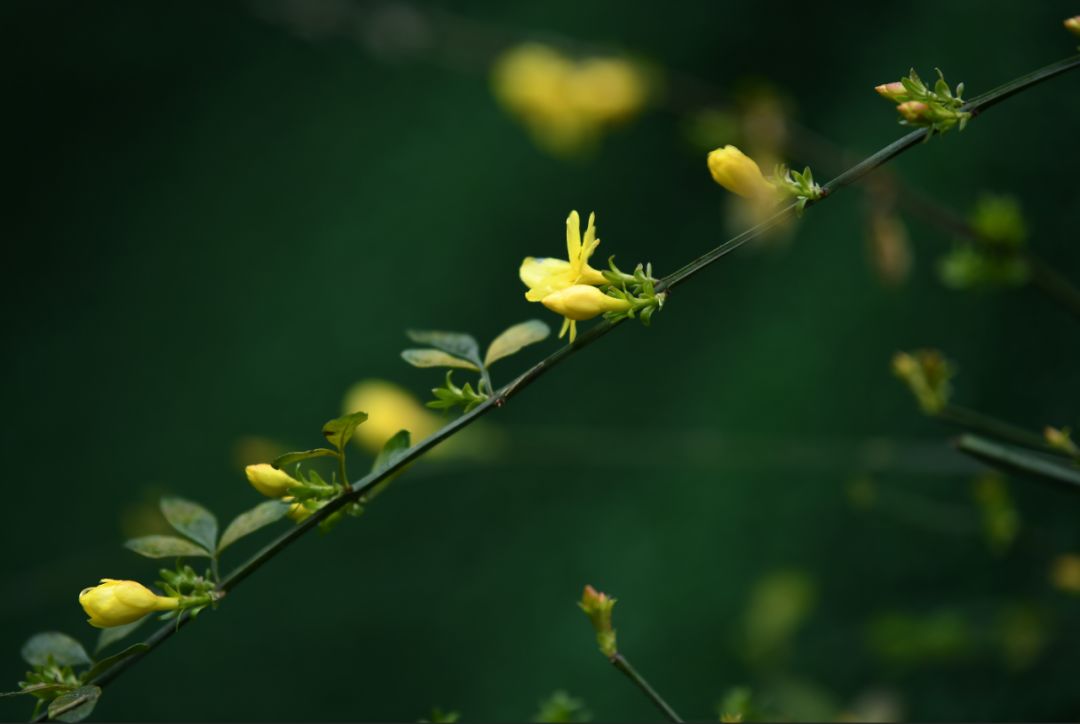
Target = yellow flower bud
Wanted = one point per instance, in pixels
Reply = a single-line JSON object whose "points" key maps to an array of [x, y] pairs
{"points": [[895, 91], [582, 301], [296, 512], [738, 173], [270, 481], [1073, 25], [913, 111], [115, 603], [597, 606]]}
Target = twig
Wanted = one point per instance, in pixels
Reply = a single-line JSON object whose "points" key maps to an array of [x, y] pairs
{"points": [[364, 485], [619, 662]]}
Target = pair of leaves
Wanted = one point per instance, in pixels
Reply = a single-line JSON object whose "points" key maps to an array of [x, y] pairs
{"points": [[454, 349], [188, 518], [200, 526]]}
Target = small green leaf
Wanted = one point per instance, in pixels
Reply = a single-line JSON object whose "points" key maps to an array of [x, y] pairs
{"points": [[64, 650], [75, 705], [109, 636], [191, 519], [165, 546], [250, 521], [108, 661], [392, 451], [516, 337], [436, 358], [455, 343], [295, 457], [340, 430]]}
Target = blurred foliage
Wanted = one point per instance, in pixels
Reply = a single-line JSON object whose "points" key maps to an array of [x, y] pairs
{"points": [[223, 216]]}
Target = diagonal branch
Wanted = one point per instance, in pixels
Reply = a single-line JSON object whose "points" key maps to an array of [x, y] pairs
{"points": [[360, 488]]}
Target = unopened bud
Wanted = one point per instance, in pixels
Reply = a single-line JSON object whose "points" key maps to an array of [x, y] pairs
{"points": [[895, 91], [597, 606], [913, 111], [1061, 439]]}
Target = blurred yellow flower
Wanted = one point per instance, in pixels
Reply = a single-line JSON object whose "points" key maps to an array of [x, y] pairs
{"points": [[270, 481], [581, 302], [1073, 25], [563, 102], [1065, 574], [390, 409], [115, 603], [739, 174]]}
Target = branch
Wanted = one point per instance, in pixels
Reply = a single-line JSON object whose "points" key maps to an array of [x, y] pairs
{"points": [[365, 484]]}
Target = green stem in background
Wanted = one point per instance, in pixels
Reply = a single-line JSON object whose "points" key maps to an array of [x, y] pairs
{"points": [[1054, 285], [362, 486], [619, 662], [978, 422], [1012, 460]]}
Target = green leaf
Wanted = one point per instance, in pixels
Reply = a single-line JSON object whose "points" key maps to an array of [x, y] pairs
{"points": [[340, 430], [63, 649], [392, 451], [250, 521], [109, 636], [516, 337], [191, 519], [295, 457], [165, 546], [108, 661], [75, 705], [436, 358], [455, 343]]}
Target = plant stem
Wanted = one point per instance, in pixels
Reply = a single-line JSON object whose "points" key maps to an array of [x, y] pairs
{"points": [[1017, 461], [1054, 285], [619, 662], [978, 422], [365, 484]]}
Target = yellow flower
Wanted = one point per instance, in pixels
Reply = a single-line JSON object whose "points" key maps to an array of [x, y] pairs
{"points": [[738, 173], [1065, 573], [581, 302], [296, 511], [115, 603], [544, 275], [270, 481], [1073, 25], [390, 409], [566, 103], [607, 90]]}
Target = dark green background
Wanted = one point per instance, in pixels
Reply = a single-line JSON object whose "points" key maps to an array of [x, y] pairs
{"points": [[215, 225]]}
